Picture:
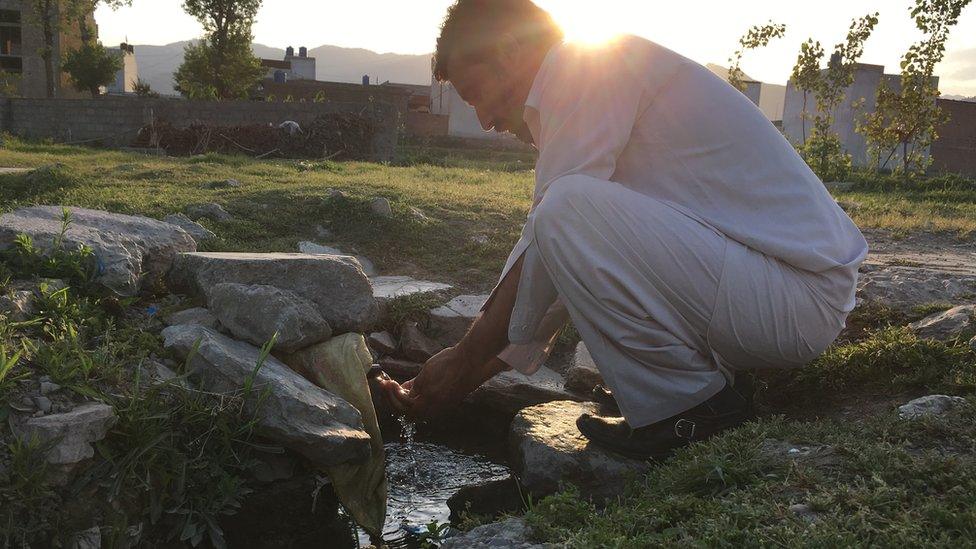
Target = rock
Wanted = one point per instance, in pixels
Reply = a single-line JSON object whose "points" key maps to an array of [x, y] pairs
{"points": [[71, 432], [43, 404], [414, 345], [451, 321], [480, 239], [548, 450], [18, 306], [194, 315], [132, 252], [582, 375], [400, 370], [86, 539], [324, 233], [513, 533], [273, 467], [490, 498], [382, 342], [932, 405], [209, 210], [804, 511], [509, 392], [194, 229], [905, 287], [813, 455], [48, 387], [295, 413], [418, 214], [336, 285], [947, 325], [307, 247], [381, 207], [386, 288], [255, 313]]}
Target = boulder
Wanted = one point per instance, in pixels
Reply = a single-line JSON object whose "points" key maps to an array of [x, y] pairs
{"points": [[255, 313], [547, 450], [131, 251], [947, 325], [932, 405], [490, 498], [294, 413], [509, 392], [194, 315], [381, 207], [905, 287], [513, 533], [582, 375], [400, 370], [335, 284], [382, 343], [308, 247], [194, 229], [386, 288], [414, 345], [18, 305], [209, 210], [72, 433], [451, 321]]}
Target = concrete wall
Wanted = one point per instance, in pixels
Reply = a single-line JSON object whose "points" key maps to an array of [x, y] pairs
{"points": [[116, 120], [336, 91], [955, 151], [463, 120], [422, 124]]}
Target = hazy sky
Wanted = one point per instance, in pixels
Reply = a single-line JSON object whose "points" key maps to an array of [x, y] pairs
{"points": [[705, 30]]}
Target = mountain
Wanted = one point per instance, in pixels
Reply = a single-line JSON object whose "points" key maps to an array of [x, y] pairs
{"points": [[158, 63]]}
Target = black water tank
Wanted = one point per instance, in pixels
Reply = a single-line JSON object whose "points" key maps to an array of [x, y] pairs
{"points": [[289, 52], [303, 52]]}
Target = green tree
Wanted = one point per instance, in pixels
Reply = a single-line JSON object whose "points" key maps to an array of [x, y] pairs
{"points": [[221, 65], [91, 66], [906, 120], [756, 37], [806, 78]]}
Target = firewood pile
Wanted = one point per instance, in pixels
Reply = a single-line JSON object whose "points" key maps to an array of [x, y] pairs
{"points": [[340, 136]]}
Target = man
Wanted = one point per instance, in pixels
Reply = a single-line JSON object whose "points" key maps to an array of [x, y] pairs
{"points": [[681, 232]]}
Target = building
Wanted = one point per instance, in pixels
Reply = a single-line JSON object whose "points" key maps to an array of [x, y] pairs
{"points": [[955, 150], [128, 76], [292, 67], [21, 42], [462, 118]]}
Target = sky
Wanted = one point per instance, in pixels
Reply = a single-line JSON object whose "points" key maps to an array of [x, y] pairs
{"points": [[704, 30]]}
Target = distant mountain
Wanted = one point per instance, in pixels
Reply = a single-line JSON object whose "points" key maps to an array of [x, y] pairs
{"points": [[158, 63], [960, 98]]}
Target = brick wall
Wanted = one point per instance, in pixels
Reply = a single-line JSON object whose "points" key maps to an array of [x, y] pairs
{"points": [[115, 121], [955, 150]]}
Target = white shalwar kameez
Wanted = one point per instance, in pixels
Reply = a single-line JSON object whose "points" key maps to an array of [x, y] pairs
{"points": [[676, 226]]}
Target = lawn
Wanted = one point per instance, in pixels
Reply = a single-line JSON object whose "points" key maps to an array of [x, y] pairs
{"points": [[866, 477]]}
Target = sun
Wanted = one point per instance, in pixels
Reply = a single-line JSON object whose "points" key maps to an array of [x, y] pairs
{"points": [[583, 23]]}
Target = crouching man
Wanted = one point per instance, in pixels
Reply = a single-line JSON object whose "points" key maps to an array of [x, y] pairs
{"points": [[672, 222]]}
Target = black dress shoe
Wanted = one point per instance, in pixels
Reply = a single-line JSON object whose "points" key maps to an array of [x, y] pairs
{"points": [[604, 397], [656, 441]]}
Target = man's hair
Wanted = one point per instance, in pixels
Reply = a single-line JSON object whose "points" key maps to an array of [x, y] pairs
{"points": [[472, 27]]}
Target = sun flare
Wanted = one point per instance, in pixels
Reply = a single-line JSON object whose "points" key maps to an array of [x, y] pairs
{"points": [[583, 24]]}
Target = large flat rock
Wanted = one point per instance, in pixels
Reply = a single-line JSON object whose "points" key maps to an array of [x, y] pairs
{"points": [[509, 392], [256, 313], [512, 533], [947, 325], [905, 287], [298, 415], [582, 375], [547, 450], [335, 284], [71, 434], [386, 288], [131, 251], [452, 320]]}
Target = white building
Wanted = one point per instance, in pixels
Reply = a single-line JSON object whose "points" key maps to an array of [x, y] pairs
{"points": [[462, 121], [127, 77], [292, 67]]}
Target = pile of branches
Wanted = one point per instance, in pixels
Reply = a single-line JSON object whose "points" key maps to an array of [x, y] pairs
{"points": [[341, 136]]}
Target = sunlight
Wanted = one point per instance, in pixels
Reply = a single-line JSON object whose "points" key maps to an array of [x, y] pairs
{"points": [[582, 23]]}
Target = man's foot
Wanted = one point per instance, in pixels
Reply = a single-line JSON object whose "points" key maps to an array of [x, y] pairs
{"points": [[744, 384], [724, 410]]}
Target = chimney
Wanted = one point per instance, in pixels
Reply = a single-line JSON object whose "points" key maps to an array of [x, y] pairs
{"points": [[365, 79], [303, 52], [289, 52]]}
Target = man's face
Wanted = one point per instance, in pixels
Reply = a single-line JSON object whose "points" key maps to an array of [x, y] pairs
{"points": [[493, 92]]}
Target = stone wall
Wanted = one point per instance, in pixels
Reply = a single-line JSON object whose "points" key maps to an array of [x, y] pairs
{"points": [[955, 150], [115, 121], [423, 124]]}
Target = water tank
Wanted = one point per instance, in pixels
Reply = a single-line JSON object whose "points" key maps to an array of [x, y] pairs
{"points": [[280, 77], [303, 52], [365, 79], [289, 52]]}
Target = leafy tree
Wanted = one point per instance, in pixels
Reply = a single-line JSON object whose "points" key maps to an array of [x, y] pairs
{"points": [[221, 65], [906, 120], [756, 37], [91, 66], [142, 88], [806, 78]]}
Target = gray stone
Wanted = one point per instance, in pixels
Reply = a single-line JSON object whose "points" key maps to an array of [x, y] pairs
{"points": [[273, 467], [255, 313], [932, 405], [335, 284], [43, 404], [295, 413], [48, 387], [547, 450], [209, 210], [131, 251], [946, 325], [451, 321], [905, 287], [416, 346], [480, 239], [71, 432], [382, 342], [18, 306], [490, 498], [400, 370], [510, 391], [307, 247], [804, 511], [381, 207], [324, 232], [194, 229], [513, 533], [386, 288], [194, 315], [582, 375]]}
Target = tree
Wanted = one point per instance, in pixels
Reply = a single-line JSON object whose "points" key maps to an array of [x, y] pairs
{"points": [[91, 66], [907, 120], [756, 37], [221, 65], [806, 78], [142, 88]]}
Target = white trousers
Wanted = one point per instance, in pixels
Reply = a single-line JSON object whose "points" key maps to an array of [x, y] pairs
{"points": [[668, 306]]}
